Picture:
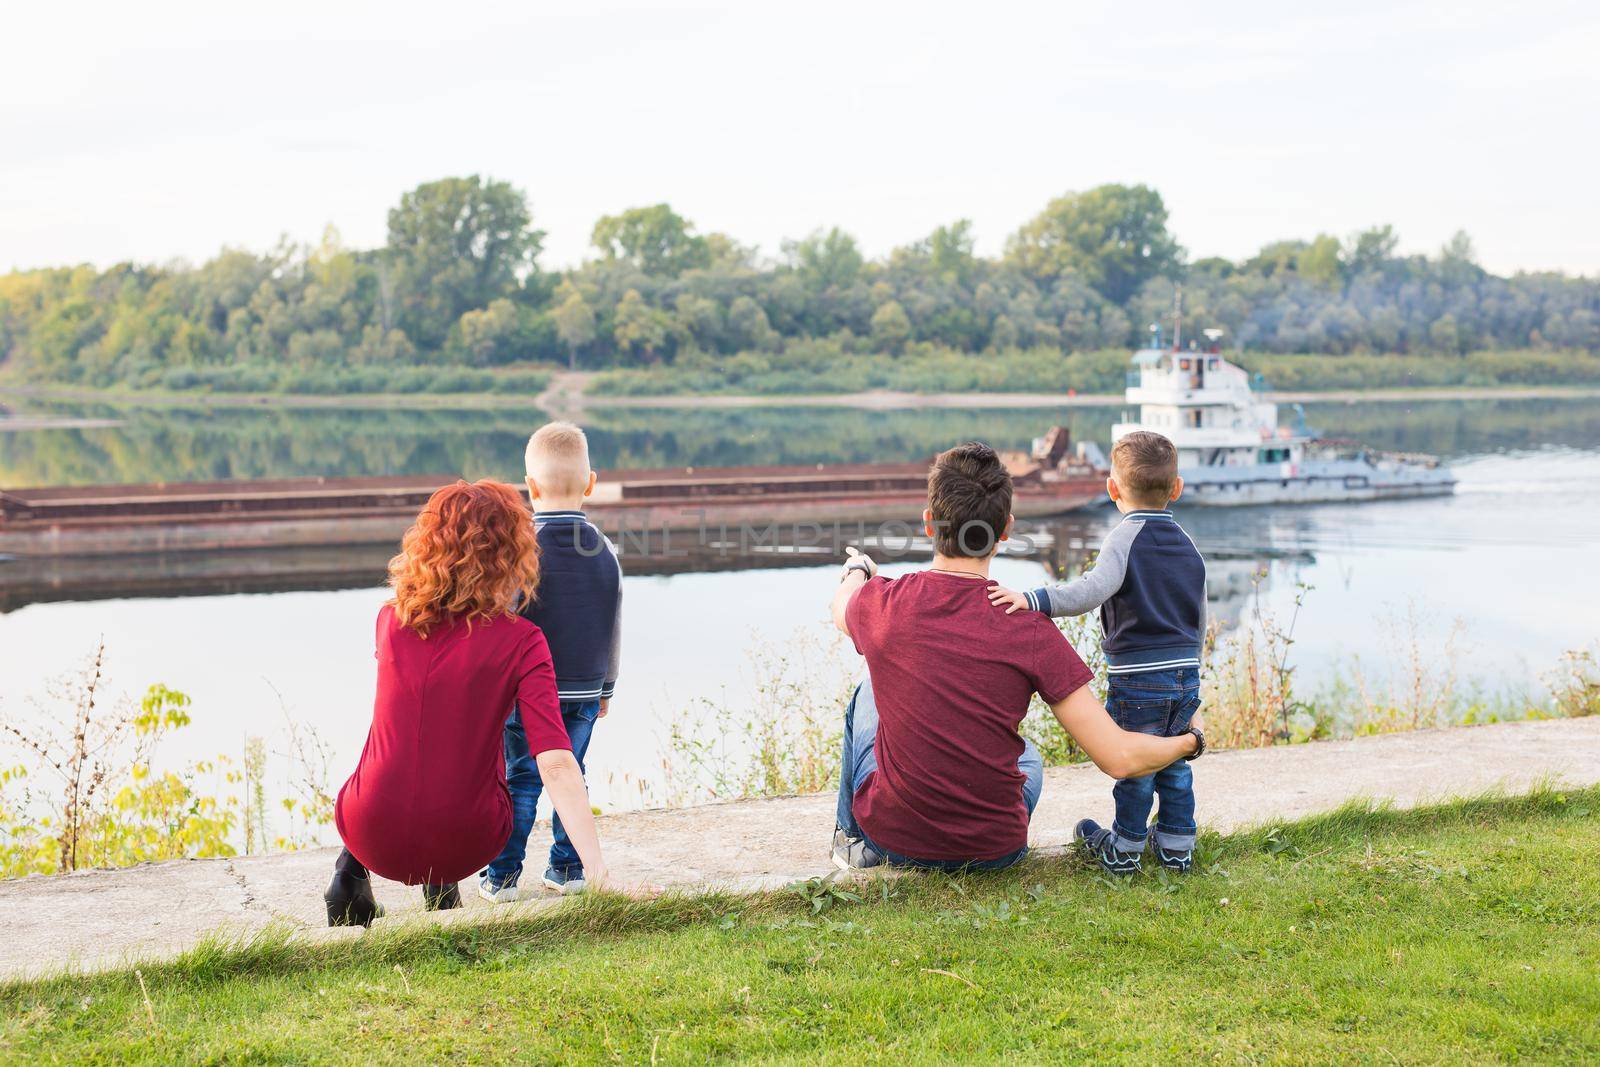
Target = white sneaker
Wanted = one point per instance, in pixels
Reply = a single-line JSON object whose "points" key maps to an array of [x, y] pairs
{"points": [[497, 892], [563, 882]]}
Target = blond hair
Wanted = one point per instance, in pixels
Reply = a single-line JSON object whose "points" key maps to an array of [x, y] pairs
{"points": [[1145, 465], [558, 459]]}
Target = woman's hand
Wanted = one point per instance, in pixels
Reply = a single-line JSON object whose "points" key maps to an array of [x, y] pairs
{"points": [[602, 883], [563, 783]]}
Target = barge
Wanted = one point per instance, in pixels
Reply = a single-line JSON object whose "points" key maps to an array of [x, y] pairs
{"points": [[132, 520]]}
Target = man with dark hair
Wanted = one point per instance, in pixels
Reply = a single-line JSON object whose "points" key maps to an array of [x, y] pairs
{"points": [[934, 771]]}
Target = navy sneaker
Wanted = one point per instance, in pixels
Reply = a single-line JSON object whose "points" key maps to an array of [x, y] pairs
{"points": [[498, 891], [564, 880], [1173, 859], [1097, 841]]}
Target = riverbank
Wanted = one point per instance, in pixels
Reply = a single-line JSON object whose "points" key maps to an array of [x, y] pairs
{"points": [[1461, 932], [103, 919], [566, 395]]}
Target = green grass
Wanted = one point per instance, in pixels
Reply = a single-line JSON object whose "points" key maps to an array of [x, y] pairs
{"points": [[1464, 933]]}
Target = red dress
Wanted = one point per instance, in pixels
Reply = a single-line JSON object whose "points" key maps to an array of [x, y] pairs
{"points": [[428, 801]]}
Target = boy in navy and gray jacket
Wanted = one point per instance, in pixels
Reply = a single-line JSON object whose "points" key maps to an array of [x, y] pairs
{"points": [[1149, 582], [578, 605]]}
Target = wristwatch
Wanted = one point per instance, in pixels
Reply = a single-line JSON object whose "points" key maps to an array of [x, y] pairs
{"points": [[856, 564], [1199, 742]]}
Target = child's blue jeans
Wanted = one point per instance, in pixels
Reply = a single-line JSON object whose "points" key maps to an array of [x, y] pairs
{"points": [[1159, 703], [522, 778]]}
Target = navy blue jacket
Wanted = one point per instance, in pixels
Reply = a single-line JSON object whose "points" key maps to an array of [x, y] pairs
{"points": [[578, 604], [1149, 583]]}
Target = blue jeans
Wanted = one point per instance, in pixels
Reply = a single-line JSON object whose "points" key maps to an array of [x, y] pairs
{"points": [[860, 758], [1159, 703], [522, 778]]}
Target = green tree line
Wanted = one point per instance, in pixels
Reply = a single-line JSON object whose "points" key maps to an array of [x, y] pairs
{"points": [[457, 290]]}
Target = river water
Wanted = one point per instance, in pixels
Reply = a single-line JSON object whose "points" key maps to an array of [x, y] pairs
{"points": [[1500, 578]]}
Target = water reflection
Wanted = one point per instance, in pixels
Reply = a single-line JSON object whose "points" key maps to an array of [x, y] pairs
{"points": [[1060, 546], [198, 443]]}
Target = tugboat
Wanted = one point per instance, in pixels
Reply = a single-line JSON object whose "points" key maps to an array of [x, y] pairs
{"points": [[1232, 451]]}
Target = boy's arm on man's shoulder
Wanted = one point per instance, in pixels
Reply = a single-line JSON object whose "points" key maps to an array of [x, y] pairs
{"points": [[1095, 586]]}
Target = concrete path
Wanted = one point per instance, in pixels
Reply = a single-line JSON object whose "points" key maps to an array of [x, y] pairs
{"points": [[98, 919]]}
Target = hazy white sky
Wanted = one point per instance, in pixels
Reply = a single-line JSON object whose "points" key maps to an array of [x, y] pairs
{"points": [[161, 130]]}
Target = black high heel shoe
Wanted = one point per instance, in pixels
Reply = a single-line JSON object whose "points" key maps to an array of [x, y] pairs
{"points": [[441, 897], [349, 896]]}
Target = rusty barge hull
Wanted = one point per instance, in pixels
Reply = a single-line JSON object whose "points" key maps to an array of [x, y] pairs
{"points": [[331, 512]]}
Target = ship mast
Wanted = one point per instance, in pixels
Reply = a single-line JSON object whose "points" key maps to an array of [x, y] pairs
{"points": [[1177, 318]]}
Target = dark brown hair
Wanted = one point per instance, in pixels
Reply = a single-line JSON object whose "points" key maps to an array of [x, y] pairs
{"points": [[969, 496], [1146, 467]]}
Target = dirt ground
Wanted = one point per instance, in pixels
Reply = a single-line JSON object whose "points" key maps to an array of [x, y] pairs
{"points": [[98, 919]]}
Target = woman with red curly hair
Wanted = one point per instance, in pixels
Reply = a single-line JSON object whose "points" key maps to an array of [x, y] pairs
{"points": [[427, 803]]}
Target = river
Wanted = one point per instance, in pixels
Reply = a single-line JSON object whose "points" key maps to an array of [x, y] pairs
{"points": [[1506, 565]]}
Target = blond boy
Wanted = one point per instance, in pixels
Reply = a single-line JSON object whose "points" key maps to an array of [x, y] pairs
{"points": [[1149, 582], [579, 607]]}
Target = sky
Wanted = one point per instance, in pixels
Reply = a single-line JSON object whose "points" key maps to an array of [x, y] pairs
{"points": [[162, 131]]}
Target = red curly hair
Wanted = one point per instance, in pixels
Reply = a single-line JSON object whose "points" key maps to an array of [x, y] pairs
{"points": [[468, 555]]}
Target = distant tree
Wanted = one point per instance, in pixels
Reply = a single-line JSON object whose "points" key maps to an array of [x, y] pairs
{"points": [[1003, 335], [1445, 335], [1322, 261], [380, 347], [950, 251], [504, 332], [575, 322], [700, 319], [891, 328], [946, 253], [1370, 249], [455, 245], [639, 329], [1459, 249], [1458, 260], [825, 259], [656, 240], [748, 325], [1113, 236], [1278, 257], [724, 253], [1214, 266]]}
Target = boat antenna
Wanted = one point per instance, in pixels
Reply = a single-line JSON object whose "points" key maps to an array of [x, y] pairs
{"points": [[1177, 317]]}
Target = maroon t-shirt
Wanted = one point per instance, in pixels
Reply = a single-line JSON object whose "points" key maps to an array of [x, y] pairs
{"points": [[952, 675], [428, 801]]}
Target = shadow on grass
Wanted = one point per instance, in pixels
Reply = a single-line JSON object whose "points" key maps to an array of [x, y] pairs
{"points": [[277, 951]]}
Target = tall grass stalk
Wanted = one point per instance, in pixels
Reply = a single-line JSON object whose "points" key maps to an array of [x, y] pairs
{"points": [[783, 738]]}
